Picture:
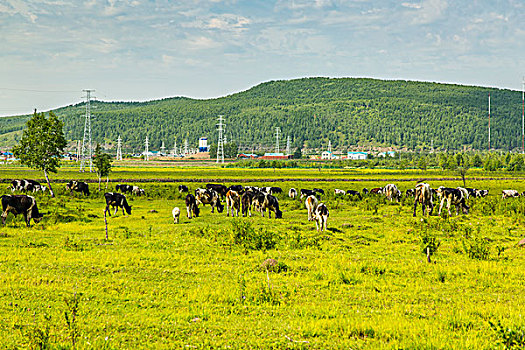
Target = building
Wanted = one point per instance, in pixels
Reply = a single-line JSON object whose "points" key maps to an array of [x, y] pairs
{"points": [[328, 155], [203, 144], [247, 156], [357, 155], [276, 156], [389, 153]]}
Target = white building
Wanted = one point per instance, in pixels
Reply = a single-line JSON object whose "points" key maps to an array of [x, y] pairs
{"points": [[327, 155], [357, 155]]}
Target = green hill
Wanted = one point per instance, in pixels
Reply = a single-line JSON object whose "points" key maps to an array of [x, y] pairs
{"points": [[346, 111]]}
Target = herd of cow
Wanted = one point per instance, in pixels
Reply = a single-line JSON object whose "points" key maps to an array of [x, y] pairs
{"points": [[244, 199]]}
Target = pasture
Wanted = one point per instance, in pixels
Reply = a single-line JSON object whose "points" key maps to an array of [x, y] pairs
{"points": [[365, 283]]}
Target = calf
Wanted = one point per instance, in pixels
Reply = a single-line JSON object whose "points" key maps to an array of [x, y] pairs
{"points": [[246, 201], [77, 186], [191, 206], [311, 204], [272, 204], [124, 188], [233, 201], [220, 189], [137, 191], [391, 192], [209, 196], [453, 196], [116, 200], [338, 191], [509, 194], [321, 217], [423, 196], [176, 213], [20, 204], [292, 193], [354, 193], [183, 188]]}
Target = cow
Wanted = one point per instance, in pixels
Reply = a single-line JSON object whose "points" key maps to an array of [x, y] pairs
{"points": [[319, 190], [365, 191], [124, 188], [251, 188], [246, 201], [423, 196], [77, 186], [453, 196], [391, 192], [192, 209], [209, 196], [116, 200], [237, 188], [21, 204], [292, 193], [233, 201], [27, 186], [176, 214], [275, 190], [137, 191], [377, 190], [472, 192], [311, 204], [482, 193], [306, 193], [353, 193], [410, 192], [509, 194], [272, 204], [220, 189], [321, 217], [339, 191], [183, 188]]}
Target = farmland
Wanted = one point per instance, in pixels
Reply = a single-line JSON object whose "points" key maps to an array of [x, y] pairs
{"points": [[364, 283]]}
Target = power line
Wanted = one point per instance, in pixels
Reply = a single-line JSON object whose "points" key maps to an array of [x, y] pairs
{"points": [[220, 143]]}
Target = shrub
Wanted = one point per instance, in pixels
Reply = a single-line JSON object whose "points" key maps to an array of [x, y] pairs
{"points": [[477, 248], [244, 234], [510, 337]]}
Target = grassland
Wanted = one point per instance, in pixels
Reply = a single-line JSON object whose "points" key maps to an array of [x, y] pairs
{"points": [[363, 284]]}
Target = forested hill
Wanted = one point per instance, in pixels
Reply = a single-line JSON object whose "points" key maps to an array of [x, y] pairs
{"points": [[346, 111]]}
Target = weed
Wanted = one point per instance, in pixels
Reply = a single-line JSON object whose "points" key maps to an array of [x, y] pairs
{"points": [[39, 337], [510, 337], [244, 234], [477, 248], [71, 315]]}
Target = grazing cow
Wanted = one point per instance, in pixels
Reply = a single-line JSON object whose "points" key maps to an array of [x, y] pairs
{"points": [[191, 206], [272, 204], [453, 196], [209, 196], [321, 217], [365, 191], [183, 188], [391, 192], [77, 186], [124, 188], [338, 191], [319, 190], [464, 191], [20, 204], [137, 191], [246, 201], [27, 186], [237, 188], [220, 189], [311, 204], [116, 200], [176, 213], [354, 193], [472, 192], [377, 190], [292, 193], [423, 196], [233, 201], [410, 192], [275, 190], [314, 192], [482, 193], [509, 194], [251, 188]]}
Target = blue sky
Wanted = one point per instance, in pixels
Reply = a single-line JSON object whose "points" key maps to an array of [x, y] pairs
{"points": [[146, 49]]}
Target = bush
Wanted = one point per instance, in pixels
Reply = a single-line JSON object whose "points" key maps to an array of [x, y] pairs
{"points": [[477, 248], [244, 234]]}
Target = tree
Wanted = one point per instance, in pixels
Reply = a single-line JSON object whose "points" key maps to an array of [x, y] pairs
{"points": [[42, 144], [462, 167], [297, 154], [102, 163]]}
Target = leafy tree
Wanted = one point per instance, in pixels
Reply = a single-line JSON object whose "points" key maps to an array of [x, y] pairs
{"points": [[102, 163], [297, 154], [42, 144], [476, 161], [230, 150], [422, 163]]}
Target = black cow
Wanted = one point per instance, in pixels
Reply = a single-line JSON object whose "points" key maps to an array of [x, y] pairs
{"points": [[20, 204], [220, 189], [354, 193], [124, 188], [236, 188], [116, 200], [192, 209], [319, 190], [183, 188], [246, 202], [77, 186], [307, 193]]}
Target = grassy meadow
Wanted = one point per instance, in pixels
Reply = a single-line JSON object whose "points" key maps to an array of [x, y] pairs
{"points": [[363, 284]]}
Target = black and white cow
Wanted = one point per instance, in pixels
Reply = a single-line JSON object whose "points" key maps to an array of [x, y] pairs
{"points": [[272, 204], [453, 196], [311, 203], [116, 200], [410, 192], [27, 186], [292, 193], [472, 192], [192, 209], [124, 188], [365, 191], [423, 196], [137, 191], [339, 191], [209, 196], [321, 217], [233, 202], [220, 189], [319, 190], [237, 188], [183, 188], [354, 193], [307, 193], [77, 186], [246, 202], [391, 192], [509, 194], [482, 193], [20, 204]]}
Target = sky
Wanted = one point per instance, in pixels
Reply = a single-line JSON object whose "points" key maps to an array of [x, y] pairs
{"points": [[137, 50]]}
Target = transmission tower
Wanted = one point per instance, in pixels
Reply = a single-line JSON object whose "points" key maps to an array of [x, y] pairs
{"points": [[87, 149], [146, 150], [220, 142], [277, 131], [119, 148], [288, 142], [185, 146], [78, 150]]}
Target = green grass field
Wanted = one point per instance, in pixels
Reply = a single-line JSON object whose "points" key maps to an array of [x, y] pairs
{"points": [[363, 284]]}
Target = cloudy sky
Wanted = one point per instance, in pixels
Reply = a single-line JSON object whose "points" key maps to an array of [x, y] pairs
{"points": [[146, 49]]}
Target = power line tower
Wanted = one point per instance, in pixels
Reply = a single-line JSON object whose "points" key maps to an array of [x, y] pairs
{"points": [[220, 142], [146, 150], [119, 148], [288, 143], [185, 146], [277, 132], [87, 148], [78, 150], [174, 150]]}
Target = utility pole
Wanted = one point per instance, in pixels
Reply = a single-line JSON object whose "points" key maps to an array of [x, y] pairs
{"points": [[119, 148], [220, 142], [329, 146], [87, 147], [185, 146], [288, 143], [162, 149], [174, 150], [489, 121], [146, 151], [277, 131]]}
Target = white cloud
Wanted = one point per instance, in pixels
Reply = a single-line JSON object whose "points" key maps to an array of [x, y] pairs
{"points": [[411, 5], [201, 43], [429, 11]]}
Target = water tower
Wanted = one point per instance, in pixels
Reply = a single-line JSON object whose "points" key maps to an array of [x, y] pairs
{"points": [[203, 144]]}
